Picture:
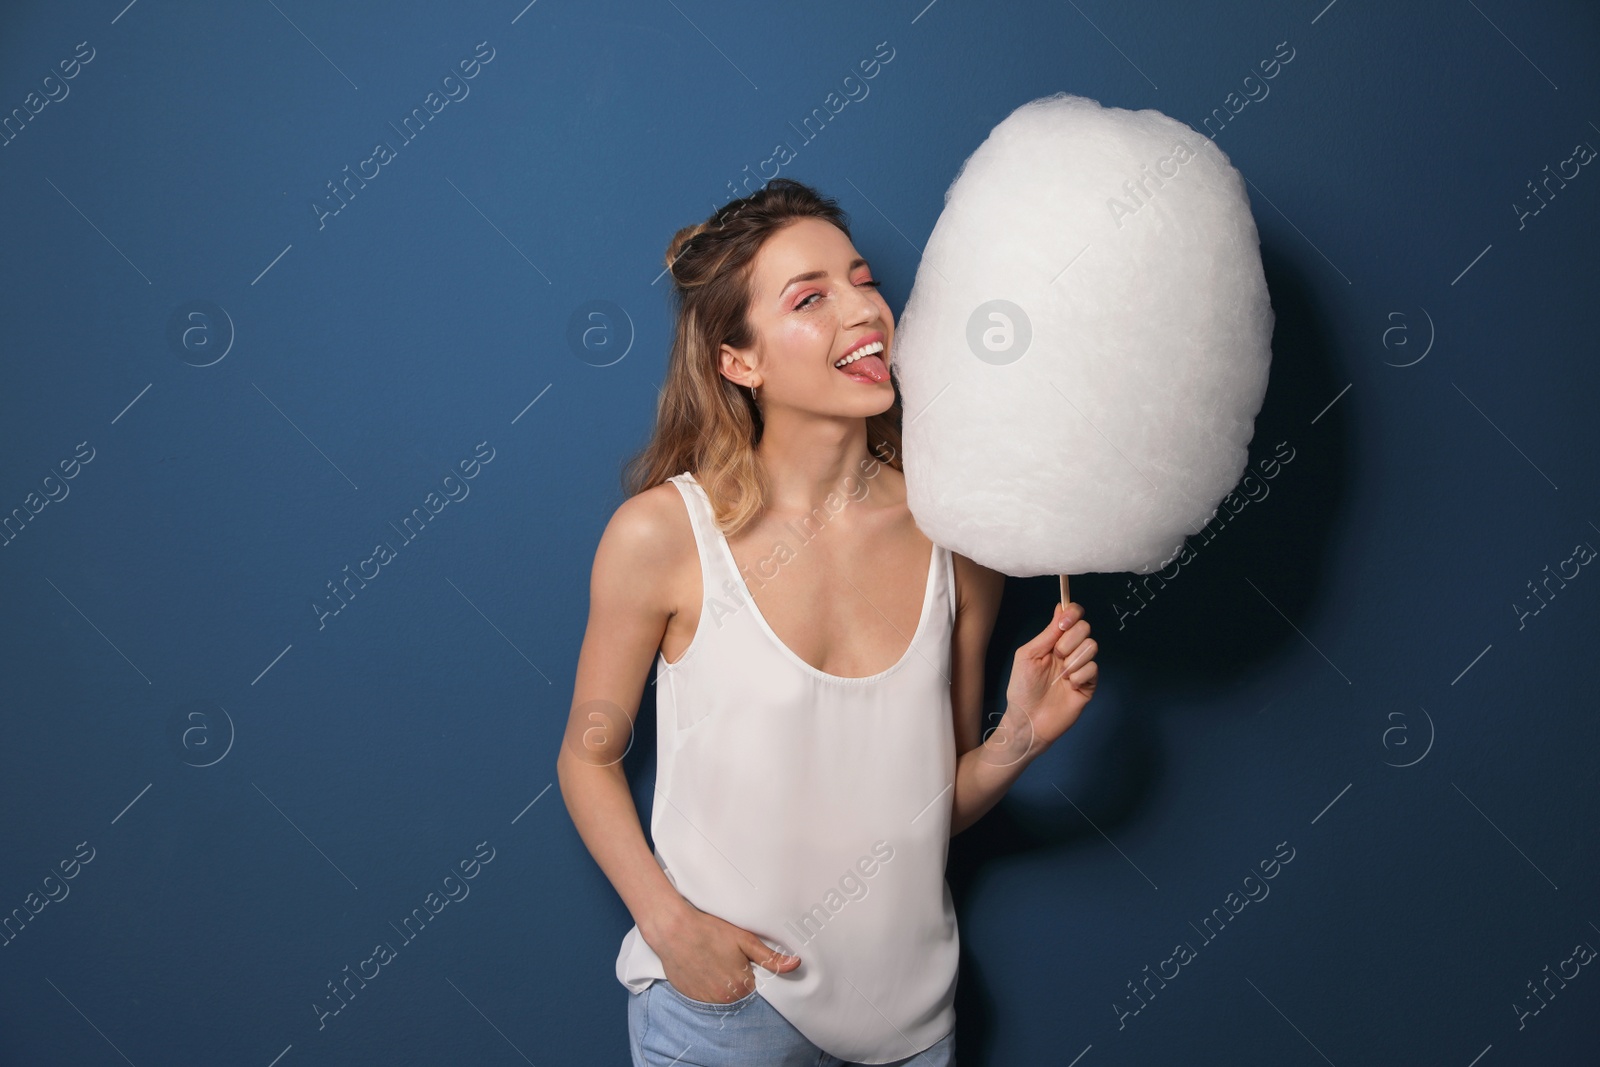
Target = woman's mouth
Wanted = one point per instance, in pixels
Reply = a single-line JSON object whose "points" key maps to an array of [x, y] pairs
{"points": [[865, 364]]}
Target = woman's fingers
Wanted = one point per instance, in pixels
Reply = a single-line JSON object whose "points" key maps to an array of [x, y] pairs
{"points": [[1075, 648], [1041, 645], [1067, 637], [1080, 672], [1084, 678], [1083, 651], [759, 953], [766, 957]]}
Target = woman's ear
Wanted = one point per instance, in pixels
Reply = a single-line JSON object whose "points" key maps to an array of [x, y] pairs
{"points": [[738, 367]]}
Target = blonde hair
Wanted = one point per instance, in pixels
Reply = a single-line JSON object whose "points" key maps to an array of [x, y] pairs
{"points": [[705, 423]]}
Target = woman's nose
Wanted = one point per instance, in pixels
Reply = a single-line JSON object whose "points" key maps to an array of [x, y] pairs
{"points": [[863, 310]]}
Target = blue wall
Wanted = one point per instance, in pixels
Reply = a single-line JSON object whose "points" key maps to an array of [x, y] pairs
{"points": [[222, 386]]}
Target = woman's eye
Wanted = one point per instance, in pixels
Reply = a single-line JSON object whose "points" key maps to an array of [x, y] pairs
{"points": [[807, 301]]}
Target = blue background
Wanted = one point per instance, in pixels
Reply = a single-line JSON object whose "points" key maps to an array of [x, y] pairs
{"points": [[1342, 668]]}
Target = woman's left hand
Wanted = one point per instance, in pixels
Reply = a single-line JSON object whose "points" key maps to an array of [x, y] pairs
{"points": [[1053, 677]]}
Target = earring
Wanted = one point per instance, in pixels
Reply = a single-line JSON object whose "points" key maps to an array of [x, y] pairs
{"points": [[753, 389]]}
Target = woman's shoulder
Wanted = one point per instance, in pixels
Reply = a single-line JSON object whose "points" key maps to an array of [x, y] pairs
{"points": [[645, 549], [651, 523], [649, 534]]}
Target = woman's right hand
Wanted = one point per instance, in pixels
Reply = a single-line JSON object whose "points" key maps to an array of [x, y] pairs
{"points": [[708, 959]]}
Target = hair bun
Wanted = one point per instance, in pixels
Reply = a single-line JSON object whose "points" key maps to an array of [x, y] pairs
{"points": [[680, 242]]}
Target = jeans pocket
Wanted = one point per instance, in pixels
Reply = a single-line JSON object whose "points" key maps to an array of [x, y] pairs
{"points": [[708, 1006]]}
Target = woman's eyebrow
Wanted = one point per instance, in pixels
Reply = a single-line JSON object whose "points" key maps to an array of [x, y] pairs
{"points": [[815, 274]]}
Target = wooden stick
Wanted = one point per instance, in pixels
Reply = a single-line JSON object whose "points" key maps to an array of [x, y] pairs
{"points": [[1066, 598]]}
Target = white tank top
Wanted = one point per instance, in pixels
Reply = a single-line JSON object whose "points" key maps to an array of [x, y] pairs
{"points": [[812, 810]]}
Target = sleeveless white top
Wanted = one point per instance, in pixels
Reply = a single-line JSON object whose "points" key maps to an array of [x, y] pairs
{"points": [[812, 810]]}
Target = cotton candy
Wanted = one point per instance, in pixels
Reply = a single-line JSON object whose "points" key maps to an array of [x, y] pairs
{"points": [[1086, 343]]}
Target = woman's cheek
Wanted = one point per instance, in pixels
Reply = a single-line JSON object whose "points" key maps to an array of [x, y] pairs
{"points": [[809, 334]]}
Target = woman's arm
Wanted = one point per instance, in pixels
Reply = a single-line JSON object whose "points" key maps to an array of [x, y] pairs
{"points": [[1053, 676], [630, 600], [978, 788], [978, 591], [631, 597]]}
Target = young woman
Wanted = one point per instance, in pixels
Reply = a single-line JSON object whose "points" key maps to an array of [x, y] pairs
{"points": [[819, 674]]}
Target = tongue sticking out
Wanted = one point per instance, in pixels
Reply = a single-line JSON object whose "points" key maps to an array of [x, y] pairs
{"points": [[871, 368]]}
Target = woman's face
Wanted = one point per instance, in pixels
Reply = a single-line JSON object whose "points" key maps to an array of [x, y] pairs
{"points": [[813, 300]]}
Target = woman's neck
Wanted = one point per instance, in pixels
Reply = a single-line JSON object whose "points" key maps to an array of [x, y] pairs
{"points": [[804, 464]]}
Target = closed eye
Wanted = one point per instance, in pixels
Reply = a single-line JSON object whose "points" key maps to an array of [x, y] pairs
{"points": [[807, 301]]}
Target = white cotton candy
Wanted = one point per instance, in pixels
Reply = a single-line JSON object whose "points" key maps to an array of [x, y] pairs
{"points": [[1125, 239]]}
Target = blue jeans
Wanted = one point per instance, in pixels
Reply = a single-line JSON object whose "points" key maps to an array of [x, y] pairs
{"points": [[667, 1029]]}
